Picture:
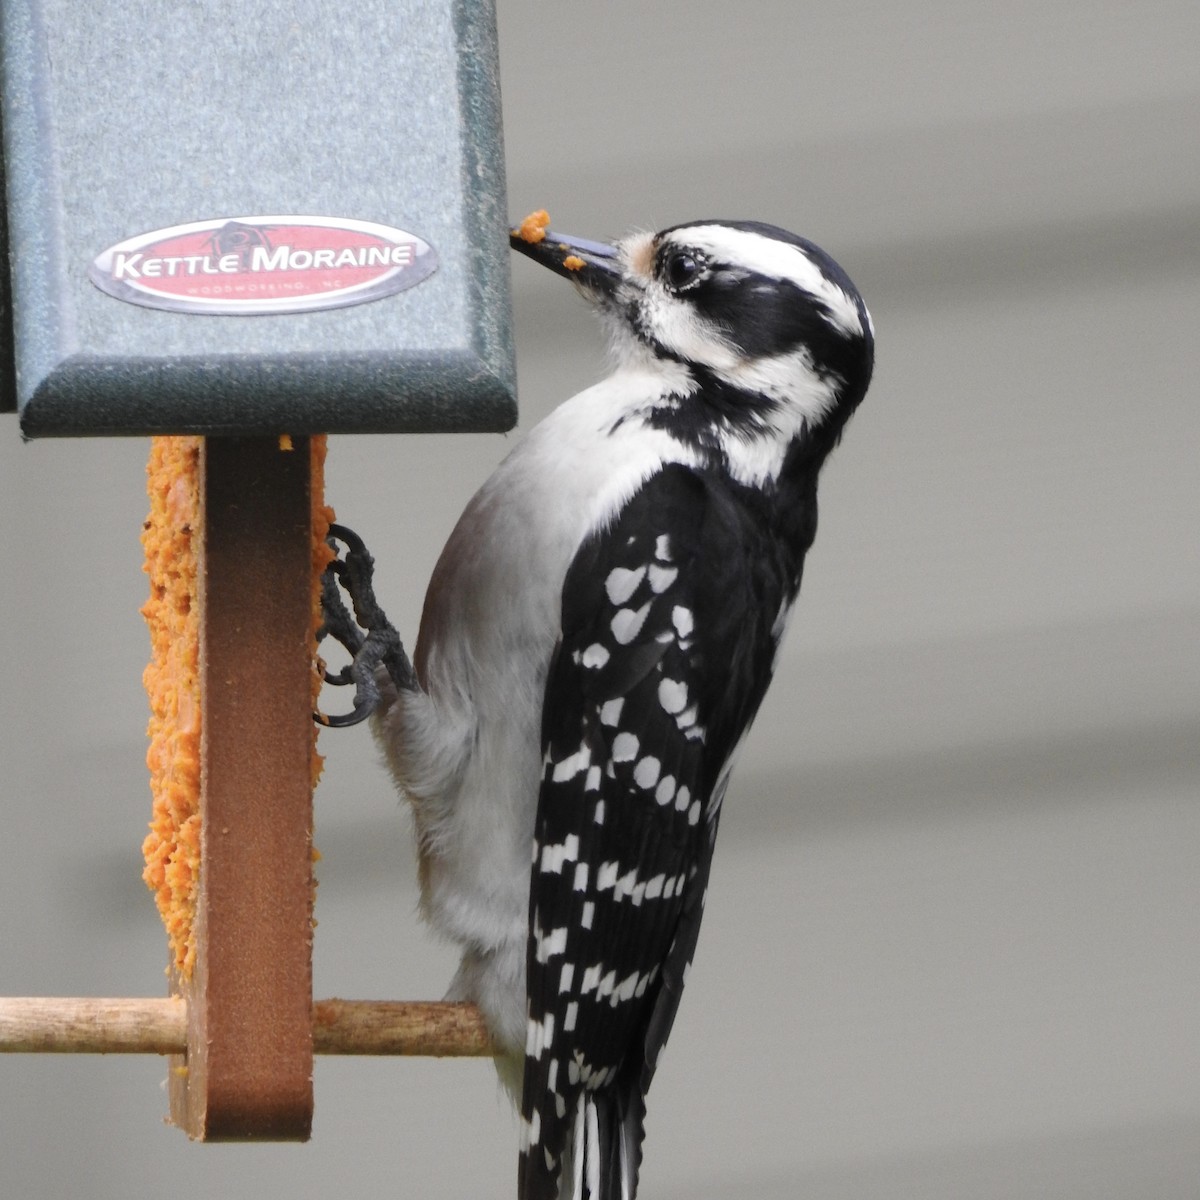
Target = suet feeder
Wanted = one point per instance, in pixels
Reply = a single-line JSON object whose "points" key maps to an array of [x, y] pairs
{"points": [[252, 226]]}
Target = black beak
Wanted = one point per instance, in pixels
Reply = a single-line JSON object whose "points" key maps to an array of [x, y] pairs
{"points": [[592, 265]]}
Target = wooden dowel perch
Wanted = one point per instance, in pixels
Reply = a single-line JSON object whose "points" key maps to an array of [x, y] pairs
{"points": [[436, 1028], [83, 1025]]}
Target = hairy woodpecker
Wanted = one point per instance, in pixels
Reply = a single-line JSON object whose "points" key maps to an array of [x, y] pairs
{"points": [[597, 637]]}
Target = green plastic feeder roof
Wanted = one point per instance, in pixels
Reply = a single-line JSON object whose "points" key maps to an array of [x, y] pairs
{"points": [[242, 217]]}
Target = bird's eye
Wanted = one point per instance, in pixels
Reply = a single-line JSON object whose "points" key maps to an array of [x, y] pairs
{"points": [[681, 269]]}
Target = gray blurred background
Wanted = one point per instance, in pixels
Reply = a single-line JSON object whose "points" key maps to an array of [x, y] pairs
{"points": [[951, 945]]}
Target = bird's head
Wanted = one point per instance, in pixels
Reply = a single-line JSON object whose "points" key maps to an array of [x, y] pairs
{"points": [[764, 344]]}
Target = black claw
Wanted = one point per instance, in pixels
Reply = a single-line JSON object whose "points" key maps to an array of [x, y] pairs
{"points": [[368, 636], [359, 713]]}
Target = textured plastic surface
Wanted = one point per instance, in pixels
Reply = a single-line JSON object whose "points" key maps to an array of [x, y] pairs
{"points": [[8, 387], [151, 113]]}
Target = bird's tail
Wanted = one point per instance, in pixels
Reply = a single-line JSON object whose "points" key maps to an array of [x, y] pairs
{"points": [[605, 1152]]}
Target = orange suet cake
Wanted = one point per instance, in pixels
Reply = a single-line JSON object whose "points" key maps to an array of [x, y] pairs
{"points": [[322, 555], [171, 542], [172, 679], [533, 228]]}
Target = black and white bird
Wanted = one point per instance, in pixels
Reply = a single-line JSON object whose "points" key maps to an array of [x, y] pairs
{"points": [[596, 640]]}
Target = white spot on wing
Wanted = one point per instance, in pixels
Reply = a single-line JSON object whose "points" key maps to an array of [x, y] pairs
{"points": [[625, 747], [645, 774], [595, 656], [661, 578], [625, 885], [627, 624], [554, 854], [531, 1132], [622, 583], [673, 696], [624, 990], [545, 948], [539, 1035], [681, 618], [570, 767]]}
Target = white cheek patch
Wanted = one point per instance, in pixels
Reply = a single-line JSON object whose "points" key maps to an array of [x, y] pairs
{"points": [[803, 399], [673, 323], [677, 327], [788, 379]]}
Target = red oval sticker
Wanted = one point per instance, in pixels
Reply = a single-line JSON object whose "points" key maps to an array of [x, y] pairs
{"points": [[240, 266]]}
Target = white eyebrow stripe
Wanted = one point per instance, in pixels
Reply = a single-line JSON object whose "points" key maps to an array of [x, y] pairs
{"points": [[776, 260]]}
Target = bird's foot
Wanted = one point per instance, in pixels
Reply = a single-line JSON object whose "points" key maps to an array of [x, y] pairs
{"points": [[367, 636]]}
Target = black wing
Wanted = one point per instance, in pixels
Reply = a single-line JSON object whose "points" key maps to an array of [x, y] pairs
{"points": [[668, 639]]}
